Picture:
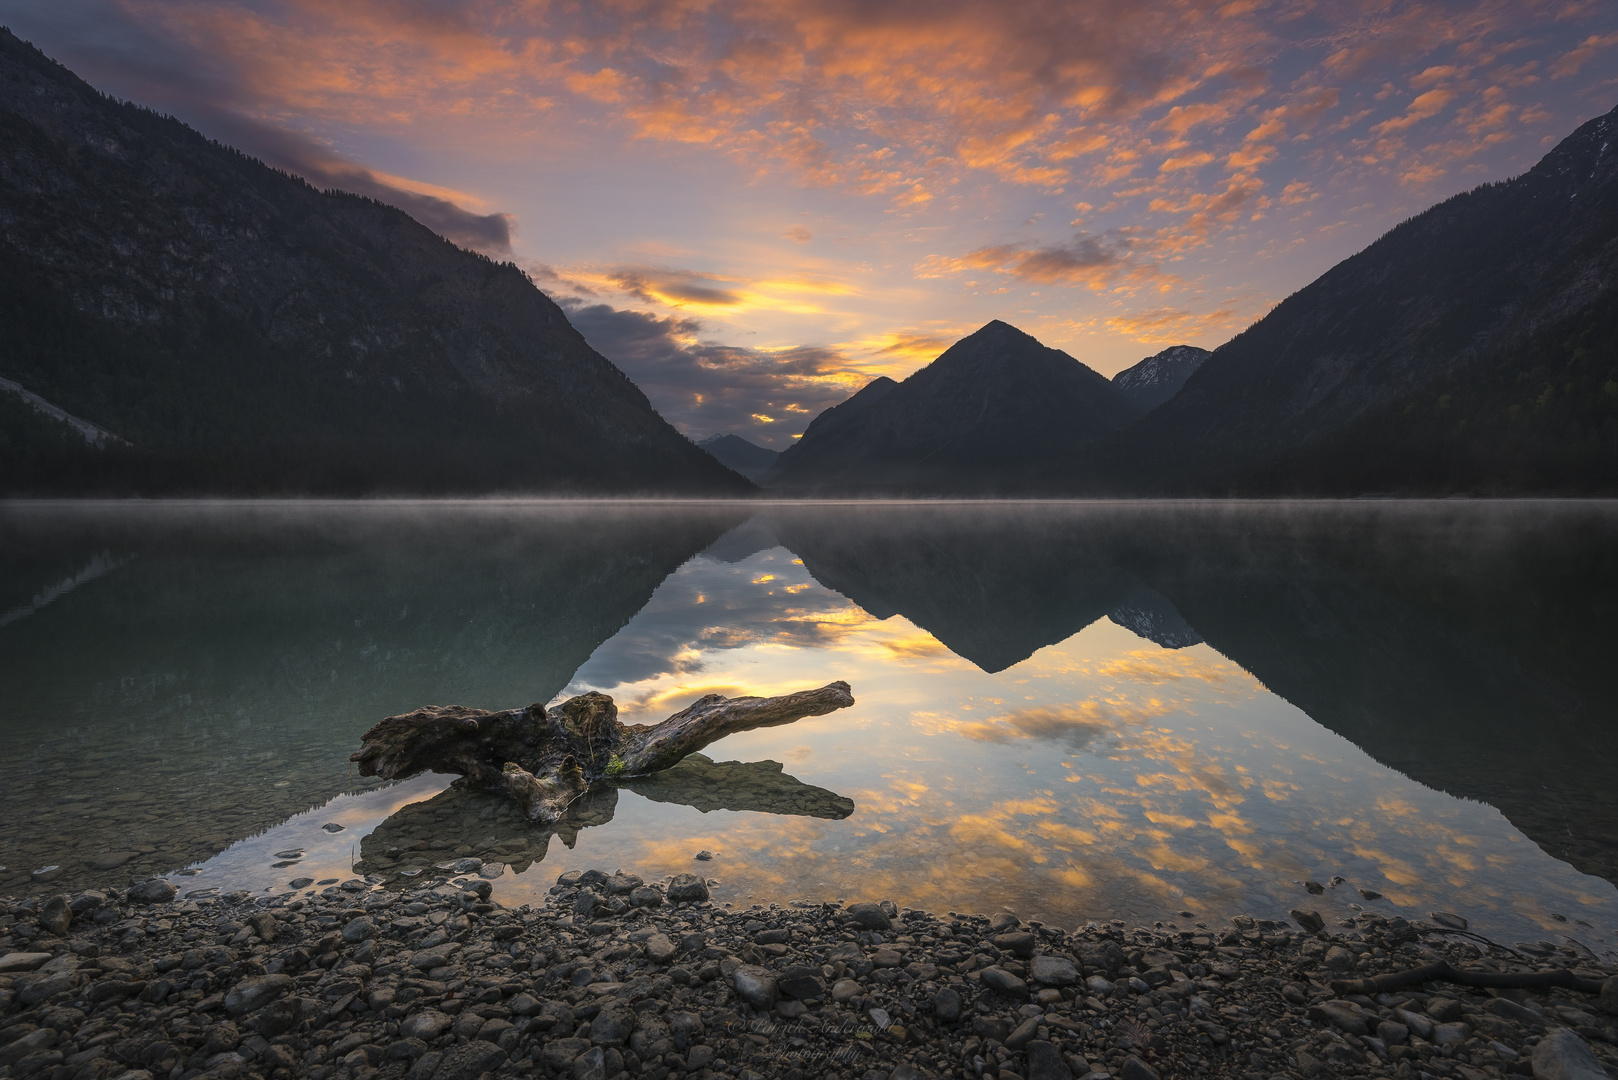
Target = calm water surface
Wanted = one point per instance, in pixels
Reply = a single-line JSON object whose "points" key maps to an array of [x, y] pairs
{"points": [[1077, 711]]}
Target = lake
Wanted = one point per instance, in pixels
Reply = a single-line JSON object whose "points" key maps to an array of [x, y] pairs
{"points": [[1155, 712]]}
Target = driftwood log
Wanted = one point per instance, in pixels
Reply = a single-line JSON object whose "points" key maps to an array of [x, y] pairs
{"points": [[1443, 971], [544, 759]]}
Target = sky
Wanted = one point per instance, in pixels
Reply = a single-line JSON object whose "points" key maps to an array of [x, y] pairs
{"points": [[754, 207]]}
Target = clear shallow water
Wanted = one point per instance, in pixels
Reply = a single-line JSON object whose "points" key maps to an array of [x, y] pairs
{"points": [[1074, 710]]}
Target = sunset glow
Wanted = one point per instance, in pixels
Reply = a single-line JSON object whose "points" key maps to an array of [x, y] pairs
{"points": [[753, 206]]}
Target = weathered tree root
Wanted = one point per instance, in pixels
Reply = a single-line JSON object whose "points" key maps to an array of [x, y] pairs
{"points": [[544, 759], [1442, 971]]}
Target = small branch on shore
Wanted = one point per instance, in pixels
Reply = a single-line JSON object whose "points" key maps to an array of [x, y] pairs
{"points": [[1443, 971]]}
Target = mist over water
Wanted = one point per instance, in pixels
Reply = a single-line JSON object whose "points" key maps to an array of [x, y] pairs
{"points": [[1075, 710]]}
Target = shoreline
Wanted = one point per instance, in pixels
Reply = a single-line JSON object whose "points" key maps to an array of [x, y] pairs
{"points": [[612, 976]]}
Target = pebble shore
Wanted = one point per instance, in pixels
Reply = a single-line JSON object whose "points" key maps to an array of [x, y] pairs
{"points": [[613, 976]]}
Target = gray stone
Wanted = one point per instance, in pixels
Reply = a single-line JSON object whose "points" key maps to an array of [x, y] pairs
{"points": [[687, 888], [1098, 986], [1024, 1034], [255, 992], [1562, 1055], [1158, 959], [1609, 996], [1339, 958], [803, 983], [437, 957], [426, 1025], [1443, 1009], [1421, 1025], [12, 963], [755, 985], [55, 917], [847, 952], [1309, 920], [492, 870], [470, 1061], [1136, 1069], [1053, 971], [686, 1027], [525, 1004], [1510, 1010], [1102, 956], [1344, 1015], [613, 1025], [1002, 921], [1020, 943], [559, 1054], [624, 883], [660, 948], [1394, 1034], [155, 891], [845, 990], [404, 1050], [1004, 982], [1446, 1034], [869, 916], [591, 1065], [1045, 1062], [276, 1018], [34, 1042], [360, 929], [645, 896], [947, 1005]]}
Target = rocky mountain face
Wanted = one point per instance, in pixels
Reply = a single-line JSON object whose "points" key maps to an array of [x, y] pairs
{"points": [[246, 332], [1471, 344], [1157, 378], [736, 453], [984, 417]]}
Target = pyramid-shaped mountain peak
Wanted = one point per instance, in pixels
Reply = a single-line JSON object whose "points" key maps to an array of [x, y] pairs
{"points": [[993, 407]]}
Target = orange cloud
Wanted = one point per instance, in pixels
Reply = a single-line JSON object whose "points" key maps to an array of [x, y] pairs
{"points": [[1424, 107]]}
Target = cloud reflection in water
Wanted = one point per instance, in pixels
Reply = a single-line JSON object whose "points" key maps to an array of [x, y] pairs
{"points": [[1103, 776]]}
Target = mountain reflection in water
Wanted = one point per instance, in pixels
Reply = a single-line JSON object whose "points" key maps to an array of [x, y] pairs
{"points": [[1076, 710]]}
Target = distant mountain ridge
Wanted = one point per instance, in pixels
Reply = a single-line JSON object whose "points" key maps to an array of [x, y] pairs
{"points": [[735, 452], [991, 410], [248, 333], [1159, 377], [1473, 346]]}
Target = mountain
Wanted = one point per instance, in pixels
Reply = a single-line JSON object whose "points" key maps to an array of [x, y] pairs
{"points": [[988, 413], [834, 418], [736, 453], [248, 333], [1473, 346], [1157, 378]]}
